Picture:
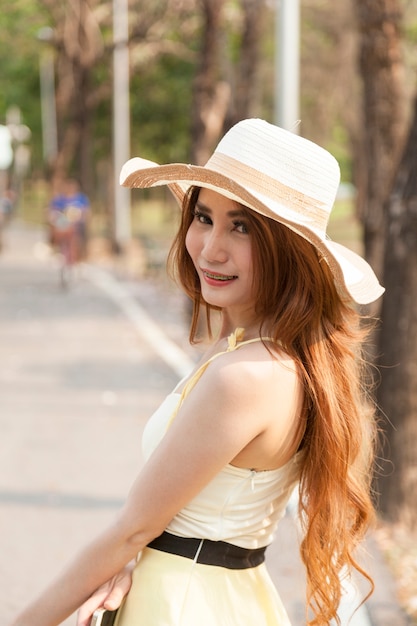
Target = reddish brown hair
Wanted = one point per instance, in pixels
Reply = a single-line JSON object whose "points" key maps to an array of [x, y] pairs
{"points": [[321, 331]]}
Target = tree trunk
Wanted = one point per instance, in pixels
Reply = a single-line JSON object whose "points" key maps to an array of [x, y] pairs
{"points": [[75, 150], [381, 68], [79, 46], [225, 92], [246, 91], [397, 394], [211, 95]]}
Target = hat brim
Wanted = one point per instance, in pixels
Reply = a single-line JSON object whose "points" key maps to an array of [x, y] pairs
{"points": [[351, 272]]}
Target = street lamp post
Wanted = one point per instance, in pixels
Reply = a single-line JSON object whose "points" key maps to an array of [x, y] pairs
{"points": [[287, 63], [48, 105], [121, 119]]}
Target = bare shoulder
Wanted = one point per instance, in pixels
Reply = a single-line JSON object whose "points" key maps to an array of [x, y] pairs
{"points": [[245, 408], [257, 360], [257, 393], [254, 367]]}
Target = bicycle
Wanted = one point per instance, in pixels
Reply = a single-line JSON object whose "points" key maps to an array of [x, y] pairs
{"points": [[65, 236]]}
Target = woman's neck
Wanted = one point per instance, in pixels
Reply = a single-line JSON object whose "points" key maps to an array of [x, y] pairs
{"points": [[229, 325]]}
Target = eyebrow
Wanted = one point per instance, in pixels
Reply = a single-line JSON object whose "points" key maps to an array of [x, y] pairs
{"points": [[232, 213]]}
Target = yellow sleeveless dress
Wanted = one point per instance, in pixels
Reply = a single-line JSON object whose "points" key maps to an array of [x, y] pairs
{"points": [[239, 506]]}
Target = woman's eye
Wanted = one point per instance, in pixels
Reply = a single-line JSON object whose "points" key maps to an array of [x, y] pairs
{"points": [[241, 227], [202, 218]]}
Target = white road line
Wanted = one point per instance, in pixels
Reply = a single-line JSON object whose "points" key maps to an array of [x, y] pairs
{"points": [[149, 331]]}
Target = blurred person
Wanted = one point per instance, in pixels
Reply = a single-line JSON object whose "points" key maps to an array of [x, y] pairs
{"points": [[55, 208], [78, 207], [68, 216], [276, 401], [7, 204]]}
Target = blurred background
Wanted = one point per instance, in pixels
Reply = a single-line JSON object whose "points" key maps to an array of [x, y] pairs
{"points": [[86, 84]]}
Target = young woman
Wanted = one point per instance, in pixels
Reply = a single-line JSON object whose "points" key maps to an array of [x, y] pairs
{"points": [[276, 401]]}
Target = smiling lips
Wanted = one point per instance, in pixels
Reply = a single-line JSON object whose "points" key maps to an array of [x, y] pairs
{"points": [[217, 277]]}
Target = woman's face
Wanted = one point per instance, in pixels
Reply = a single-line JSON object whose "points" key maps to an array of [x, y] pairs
{"points": [[221, 249]]}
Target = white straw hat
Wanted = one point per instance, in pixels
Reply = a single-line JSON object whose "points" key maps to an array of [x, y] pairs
{"points": [[278, 174]]}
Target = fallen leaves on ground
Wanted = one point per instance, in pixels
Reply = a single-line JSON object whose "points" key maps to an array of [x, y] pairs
{"points": [[399, 548]]}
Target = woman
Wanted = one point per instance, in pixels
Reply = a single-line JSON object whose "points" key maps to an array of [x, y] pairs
{"points": [[277, 400]]}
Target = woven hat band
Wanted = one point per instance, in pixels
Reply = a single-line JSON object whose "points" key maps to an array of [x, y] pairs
{"points": [[260, 184]]}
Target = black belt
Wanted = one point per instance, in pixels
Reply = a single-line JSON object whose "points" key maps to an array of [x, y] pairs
{"points": [[209, 552]]}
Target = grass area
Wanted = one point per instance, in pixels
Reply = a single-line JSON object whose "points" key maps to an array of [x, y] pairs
{"points": [[33, 202], [155, 218], [344, 227]]}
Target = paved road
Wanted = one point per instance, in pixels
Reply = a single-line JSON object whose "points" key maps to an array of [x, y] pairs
{"points": [[80, 372]]}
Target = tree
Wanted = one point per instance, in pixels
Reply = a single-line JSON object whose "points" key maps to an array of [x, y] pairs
{"points": [[19, 53], [397, 393], [387, 202], [167, 45], [225, 86], [83, 42], [245, 72], [377, 151], [211, 93], [329, 78], [79, 45]]}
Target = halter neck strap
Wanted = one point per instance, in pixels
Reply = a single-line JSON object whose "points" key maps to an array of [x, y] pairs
{"points": [[234, 341]]}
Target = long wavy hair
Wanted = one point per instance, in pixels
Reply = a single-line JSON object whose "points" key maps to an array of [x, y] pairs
{"points": [[322, 331]]}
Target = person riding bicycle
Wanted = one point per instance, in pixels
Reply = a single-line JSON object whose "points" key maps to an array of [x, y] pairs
{"points": [[68, 215]]}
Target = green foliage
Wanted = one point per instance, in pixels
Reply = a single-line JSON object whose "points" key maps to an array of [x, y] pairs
{"points": [[339, 147], [160, 110], [410, 29], [102, 120], [161, 89], [20, 51]]}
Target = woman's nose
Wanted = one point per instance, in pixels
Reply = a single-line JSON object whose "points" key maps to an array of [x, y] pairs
{"points": [[215, 248]]}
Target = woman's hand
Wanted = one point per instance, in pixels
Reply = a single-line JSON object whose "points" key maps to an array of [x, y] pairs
{"points": [[109, 595]]}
